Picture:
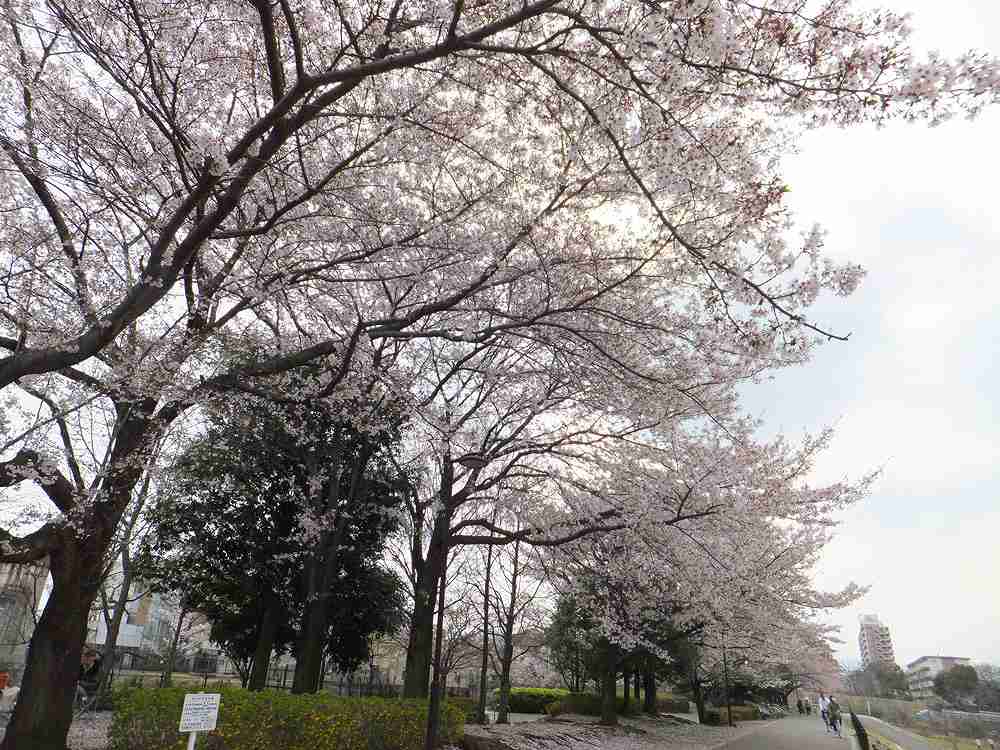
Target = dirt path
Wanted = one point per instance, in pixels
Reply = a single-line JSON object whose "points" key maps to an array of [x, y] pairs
{"points": [[584, 733]]}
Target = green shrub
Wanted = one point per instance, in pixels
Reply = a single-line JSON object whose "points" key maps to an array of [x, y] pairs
{"points": [[673, 706], [147, 719], [719, 716], [468, 707], [526, 700], [589, 704]]}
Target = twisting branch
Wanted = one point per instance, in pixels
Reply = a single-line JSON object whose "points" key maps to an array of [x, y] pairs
{"points": [[29, 464]]}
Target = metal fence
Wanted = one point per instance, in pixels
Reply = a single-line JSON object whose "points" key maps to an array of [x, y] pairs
{"points": [[859, 731]]}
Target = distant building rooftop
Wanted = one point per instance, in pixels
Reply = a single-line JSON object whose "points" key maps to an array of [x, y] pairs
{"points": [[942, 658]]}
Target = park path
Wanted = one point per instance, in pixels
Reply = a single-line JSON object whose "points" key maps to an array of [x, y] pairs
{"points": [[906, 740], [791, 733]]}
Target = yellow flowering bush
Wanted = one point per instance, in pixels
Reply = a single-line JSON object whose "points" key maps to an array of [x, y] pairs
{"points": [[147, 719]]}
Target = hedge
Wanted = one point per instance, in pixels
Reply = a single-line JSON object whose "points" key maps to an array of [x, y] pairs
{"points": [[526, 700], [673, 706], [469, 707], [588, 704], [147, 719], [718, 716]]}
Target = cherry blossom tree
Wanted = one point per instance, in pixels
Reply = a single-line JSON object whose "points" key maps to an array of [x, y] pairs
{"points": [[721, 537], [349, 173]]}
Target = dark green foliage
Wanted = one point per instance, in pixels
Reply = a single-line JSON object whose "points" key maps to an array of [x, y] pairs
{"points": [[572, 644], [587, 704], [720, 716], [229, 531], [879, 680], [958, 684], [534, 700]]}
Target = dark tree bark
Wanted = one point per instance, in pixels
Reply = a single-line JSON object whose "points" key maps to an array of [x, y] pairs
{"points": [[316, 617], [649, 692], [44, 708], [321, 571], [698, 693], [626, 677], [265, 644], [484, 667], [437, 686], [507, 653], [429, 573], [168, 672], [609, 679]]}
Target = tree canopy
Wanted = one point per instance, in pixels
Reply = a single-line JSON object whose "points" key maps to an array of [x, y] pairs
{"points": [[393, 195]]}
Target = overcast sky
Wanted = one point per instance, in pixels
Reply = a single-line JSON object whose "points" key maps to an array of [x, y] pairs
{"points": [[917, 387]]}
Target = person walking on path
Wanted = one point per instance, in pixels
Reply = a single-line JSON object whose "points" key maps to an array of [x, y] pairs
{"points": [[824, 710], [833, 715], [802, 709]]}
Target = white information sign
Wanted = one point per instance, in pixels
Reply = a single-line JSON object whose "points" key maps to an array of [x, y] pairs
{"points": [[200, 713]]}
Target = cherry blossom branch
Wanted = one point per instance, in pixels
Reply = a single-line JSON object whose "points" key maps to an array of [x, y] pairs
{"points": [[29, 464], [67, 442], [20, 550]]}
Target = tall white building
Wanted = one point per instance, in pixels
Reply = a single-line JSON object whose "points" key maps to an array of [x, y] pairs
{"points": [[874, 641], [920, 674]]}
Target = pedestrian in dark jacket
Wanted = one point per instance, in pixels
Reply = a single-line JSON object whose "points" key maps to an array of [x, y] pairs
{"points": [[834, 715]]}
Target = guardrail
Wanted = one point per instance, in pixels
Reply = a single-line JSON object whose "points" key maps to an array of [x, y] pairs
{"points": [[859, 731]]}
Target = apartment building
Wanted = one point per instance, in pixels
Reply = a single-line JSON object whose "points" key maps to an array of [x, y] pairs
{"points": [[21, 591], [874, 641], [147, 631], [920, 673]]}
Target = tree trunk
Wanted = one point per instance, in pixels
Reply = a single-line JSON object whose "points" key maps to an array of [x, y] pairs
{"points": [[168, 672], [320, 573], [437, 688], [578, 673], [699, 699], [309, 654], [114, 628], [44, 709], [626, 677], [481, 711], [503, 710], [507, 657], [316, 617], [421, 644], [609, 709], [649, 692], [265, 645], [118, 614]]}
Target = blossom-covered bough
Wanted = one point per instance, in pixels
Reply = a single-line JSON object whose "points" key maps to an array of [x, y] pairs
{"points": [[721, 537], [195, 196]]}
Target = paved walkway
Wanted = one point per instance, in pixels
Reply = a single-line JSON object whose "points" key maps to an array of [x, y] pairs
{"points": [[791, 733], [903, 738]]}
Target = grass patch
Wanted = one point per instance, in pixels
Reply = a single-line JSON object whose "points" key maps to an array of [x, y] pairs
{"points": [[878, 742], [954, 743]]}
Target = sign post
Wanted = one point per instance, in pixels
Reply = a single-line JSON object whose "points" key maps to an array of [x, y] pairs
{"points": [[200, 714]]}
